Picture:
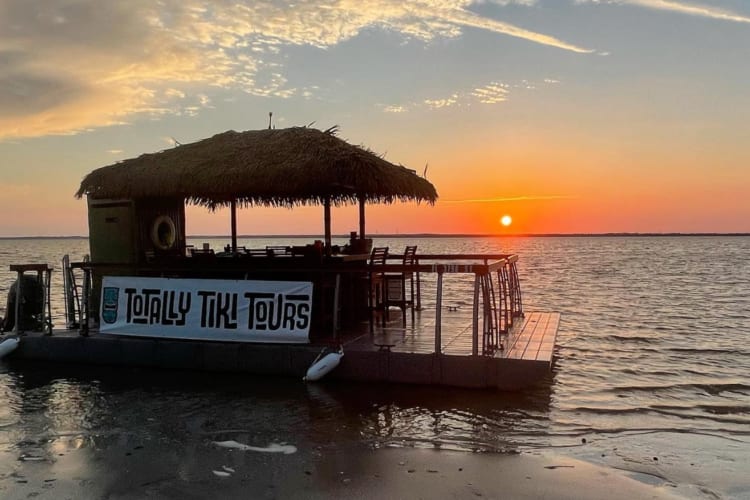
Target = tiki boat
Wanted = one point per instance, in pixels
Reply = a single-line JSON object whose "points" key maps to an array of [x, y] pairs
{"points": [[145, 297]]}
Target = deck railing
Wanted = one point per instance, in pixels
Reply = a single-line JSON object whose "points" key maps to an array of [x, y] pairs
{"points": [[496, 304], [497, 299]]}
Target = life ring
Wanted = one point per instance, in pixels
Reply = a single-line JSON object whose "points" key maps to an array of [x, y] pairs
{"points": [[163, 233]]}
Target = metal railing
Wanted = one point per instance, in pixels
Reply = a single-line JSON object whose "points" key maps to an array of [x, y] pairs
{"points": [[497, 300]]}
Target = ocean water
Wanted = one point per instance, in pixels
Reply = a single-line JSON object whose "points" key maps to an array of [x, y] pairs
{"points": [[652, 376]]}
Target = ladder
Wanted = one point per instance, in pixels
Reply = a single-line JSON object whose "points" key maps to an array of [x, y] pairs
{"points": [[72, 294]]}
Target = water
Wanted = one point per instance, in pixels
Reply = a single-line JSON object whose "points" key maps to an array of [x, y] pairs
{"points": [[651, 376]]}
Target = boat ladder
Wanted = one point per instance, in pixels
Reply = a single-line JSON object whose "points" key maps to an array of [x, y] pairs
{"points": [[72, 292], [501, 304]]}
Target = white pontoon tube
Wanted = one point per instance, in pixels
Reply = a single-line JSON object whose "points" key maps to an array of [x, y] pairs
{"points": [[322, 365], [8, 345]]}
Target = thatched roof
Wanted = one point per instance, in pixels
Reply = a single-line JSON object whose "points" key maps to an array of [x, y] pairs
{"points": [[284, 167]]}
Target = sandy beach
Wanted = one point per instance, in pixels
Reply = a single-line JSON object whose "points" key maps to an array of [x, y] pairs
{"points": [[353, 473]]}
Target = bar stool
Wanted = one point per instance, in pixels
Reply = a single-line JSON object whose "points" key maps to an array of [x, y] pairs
{"points": [[375, 278], [395, 286]]}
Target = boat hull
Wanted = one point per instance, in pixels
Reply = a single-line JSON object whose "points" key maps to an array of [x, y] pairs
{"points": [[359, 364]]}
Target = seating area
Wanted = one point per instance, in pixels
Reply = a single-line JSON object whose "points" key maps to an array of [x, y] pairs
{"points": [[240, 251], [389, 289]]}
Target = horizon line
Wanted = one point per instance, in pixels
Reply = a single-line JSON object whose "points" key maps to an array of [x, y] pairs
{"points": [[421, 235]]}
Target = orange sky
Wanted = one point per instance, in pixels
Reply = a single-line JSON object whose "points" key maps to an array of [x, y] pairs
{"points": [[570, 116]]}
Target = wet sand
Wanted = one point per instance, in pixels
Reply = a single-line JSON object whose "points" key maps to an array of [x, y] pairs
{"points": [[353, 473]]}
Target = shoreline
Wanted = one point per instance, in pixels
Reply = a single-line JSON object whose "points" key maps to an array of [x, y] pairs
{"points": [[328, 473]]}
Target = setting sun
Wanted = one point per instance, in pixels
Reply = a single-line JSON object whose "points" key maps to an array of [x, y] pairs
{"points": [[505, 220]]}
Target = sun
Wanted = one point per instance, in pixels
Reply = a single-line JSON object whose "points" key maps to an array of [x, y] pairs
{"points": [[506, 220]]}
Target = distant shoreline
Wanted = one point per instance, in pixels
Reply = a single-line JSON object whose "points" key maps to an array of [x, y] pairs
{"points": [[415, 235]]}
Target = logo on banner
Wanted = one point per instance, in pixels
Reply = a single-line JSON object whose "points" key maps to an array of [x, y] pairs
{"points": [[110, 296]]}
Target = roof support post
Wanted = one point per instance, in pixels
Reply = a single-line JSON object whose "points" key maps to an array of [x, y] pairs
{"points": [[361, 217], [233, 210], [327, 223]]}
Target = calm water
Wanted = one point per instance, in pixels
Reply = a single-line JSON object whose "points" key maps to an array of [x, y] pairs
{"points": [[652, 375]]}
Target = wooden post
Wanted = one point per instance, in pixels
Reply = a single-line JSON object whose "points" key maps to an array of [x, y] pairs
{"points": [[47, 307], [68, 293], [419, 290], [327, 224], [19, 299], [86, 303], [336, 292], [361, 217], [233, 209]]}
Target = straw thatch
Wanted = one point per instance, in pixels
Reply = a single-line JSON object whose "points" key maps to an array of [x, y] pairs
{"points": [[284, 167]]}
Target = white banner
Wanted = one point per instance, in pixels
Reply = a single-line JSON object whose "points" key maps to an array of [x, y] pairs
{"points": [[245, 311]]}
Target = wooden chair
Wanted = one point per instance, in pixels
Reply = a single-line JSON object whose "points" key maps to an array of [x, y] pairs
{"points": [[395, 286], [375, 278]]}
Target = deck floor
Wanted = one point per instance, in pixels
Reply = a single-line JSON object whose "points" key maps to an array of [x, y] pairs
{"points": [[532, 337]]}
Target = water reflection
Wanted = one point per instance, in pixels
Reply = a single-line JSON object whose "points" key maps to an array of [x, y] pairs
{"points": [[87, 408], [66, 425], [392, 415]]}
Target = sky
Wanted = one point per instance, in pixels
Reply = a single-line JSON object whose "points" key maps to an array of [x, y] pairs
{"points": [[570, 116]]}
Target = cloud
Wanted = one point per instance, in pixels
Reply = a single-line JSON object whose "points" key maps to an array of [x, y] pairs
{"points": [[442, 103], [68, 66], [692, 9], [466, 18], [395, 109], [490, 93]]}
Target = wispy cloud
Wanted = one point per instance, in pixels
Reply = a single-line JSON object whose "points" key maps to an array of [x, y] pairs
{"points": [[512, 199], [442, 103], [395, 109], [72, 66], [464, 17], [489, 94], [693, 9], [492, 93]]}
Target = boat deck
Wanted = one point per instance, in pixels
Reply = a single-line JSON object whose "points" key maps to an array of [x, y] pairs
{"points": [[531, 338]]}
